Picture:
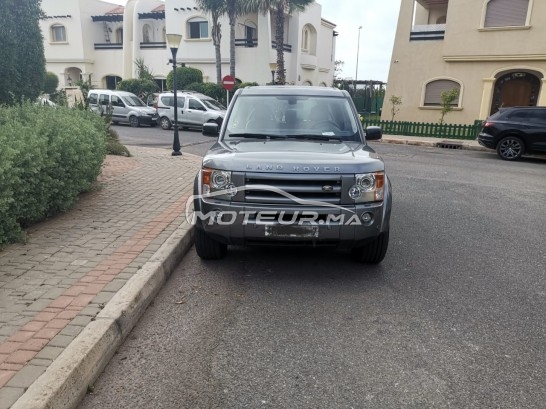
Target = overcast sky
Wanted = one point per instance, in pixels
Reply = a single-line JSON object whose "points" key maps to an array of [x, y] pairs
{"points": [[378, 19]]}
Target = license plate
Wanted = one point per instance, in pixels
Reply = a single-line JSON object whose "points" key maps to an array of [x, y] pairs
{"points": [[291, 231]]}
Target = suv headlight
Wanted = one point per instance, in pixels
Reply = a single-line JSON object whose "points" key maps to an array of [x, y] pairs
{"points": [[217, 181], [368, 187]]}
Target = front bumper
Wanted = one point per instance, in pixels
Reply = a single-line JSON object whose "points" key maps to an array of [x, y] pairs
{"points": [[245, 224], [148, 119]]}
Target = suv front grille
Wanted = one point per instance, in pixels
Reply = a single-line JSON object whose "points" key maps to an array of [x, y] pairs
{"points": [[324, 188]]}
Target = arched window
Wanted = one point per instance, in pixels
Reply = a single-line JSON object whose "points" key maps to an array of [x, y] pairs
{"points": [[503, 13], [146, 33], [309, 39], [198, 27], [434, 89], [119, 35], [58, 33]]}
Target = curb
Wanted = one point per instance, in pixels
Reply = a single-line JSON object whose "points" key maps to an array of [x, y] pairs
{"points": [[435, 144], [64, 384]]}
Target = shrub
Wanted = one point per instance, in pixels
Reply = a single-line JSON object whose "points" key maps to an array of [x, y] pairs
{"points": [[184, 77], [51, 83], [48, 157], [140, 87]]}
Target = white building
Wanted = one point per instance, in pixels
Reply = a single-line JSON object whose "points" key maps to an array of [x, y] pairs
{"points": [[94, 39]]}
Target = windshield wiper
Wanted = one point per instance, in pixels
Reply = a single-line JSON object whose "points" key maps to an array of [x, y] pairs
{"points": [[316, 137], [256, 136]]}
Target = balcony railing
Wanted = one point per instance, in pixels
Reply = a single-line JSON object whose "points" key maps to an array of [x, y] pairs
{"points": [[428, 32], [245, 42], [153, 45], [108, 46], [287, 47]]}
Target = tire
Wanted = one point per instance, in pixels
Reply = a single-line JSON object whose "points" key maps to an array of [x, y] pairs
{"points": [[165, 123], [134, 121], [374, 251], [510, 148], [207, 248]]}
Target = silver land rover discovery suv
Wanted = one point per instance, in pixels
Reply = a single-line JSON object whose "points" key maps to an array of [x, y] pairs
{"points": [[292, 167]]}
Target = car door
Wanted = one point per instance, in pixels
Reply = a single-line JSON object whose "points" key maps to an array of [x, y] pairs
{"points": [[119, 110], [104, 103], [195, 113], [539, 142]]}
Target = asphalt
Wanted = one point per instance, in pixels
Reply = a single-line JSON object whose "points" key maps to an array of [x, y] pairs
{"points": [[74, 290]]}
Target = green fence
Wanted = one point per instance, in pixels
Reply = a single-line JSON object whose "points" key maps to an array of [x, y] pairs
{"points": [[426, 129]]}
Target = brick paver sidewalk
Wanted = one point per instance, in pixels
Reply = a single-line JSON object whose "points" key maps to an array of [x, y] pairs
{"points": [[55, 284]]}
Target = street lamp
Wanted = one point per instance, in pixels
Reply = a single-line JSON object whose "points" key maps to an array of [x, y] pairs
{"points": [[173, 41], [357, 52], [273, 68]]}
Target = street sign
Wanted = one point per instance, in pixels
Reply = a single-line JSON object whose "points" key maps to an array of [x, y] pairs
{"points": [[228, 82]]}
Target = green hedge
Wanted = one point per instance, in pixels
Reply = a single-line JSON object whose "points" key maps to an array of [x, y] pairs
{"points": [[47, 157]]}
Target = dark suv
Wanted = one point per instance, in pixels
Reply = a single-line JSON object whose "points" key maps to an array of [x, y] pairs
{"points": [[514, 131]]}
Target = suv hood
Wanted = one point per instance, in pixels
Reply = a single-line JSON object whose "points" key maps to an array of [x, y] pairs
{"points": [[280, 156]]}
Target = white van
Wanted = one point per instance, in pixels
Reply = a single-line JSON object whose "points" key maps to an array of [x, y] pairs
{"points": [[194, 109], [126, 107]]}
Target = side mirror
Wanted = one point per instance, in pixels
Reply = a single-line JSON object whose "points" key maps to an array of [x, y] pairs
{"points": [[373, 133], [210, 129]]}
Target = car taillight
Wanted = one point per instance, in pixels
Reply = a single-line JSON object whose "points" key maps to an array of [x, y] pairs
{"points": [[486, 123]]}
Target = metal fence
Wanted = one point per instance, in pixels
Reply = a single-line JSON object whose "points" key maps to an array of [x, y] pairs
{"points": [[434, 130]]}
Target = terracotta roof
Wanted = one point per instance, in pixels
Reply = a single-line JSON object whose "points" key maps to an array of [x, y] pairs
{"points": [[117, 10], [159, 8]]}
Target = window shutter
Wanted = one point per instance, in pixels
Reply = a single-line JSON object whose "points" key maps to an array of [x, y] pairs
{"points": [[435, 89], [502, 13]]}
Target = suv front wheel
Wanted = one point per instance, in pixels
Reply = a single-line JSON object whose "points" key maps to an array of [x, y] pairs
{"points": [[206, 247], [510, 148], [374, 251]]}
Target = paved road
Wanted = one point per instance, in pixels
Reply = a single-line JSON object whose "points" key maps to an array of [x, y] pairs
{"points": [[454, 316], [192, 141]]}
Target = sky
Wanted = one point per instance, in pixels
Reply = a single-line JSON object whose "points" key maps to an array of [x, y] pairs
{"points": [[378, 19]]}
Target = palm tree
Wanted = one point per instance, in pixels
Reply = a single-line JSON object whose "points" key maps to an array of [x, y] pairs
{"points": [[217, 8], [278, 7]]}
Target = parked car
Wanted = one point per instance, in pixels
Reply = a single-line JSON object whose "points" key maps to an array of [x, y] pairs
{"points": [[292, 167], [194, 110], [515, 131], [126, 107]]}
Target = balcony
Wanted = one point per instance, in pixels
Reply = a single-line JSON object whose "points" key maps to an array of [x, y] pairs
{"points": [[150, 45], [246, 42], [308, 61], [287, 47], [428, 32], [108, 46]]}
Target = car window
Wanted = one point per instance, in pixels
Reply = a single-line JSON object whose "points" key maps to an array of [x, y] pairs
{"points": [[116, 101], [169, 101], [104, 99], [93, 99], [194, 104], [280, 115]]}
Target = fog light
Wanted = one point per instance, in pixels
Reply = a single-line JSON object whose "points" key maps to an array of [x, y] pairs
{"points": [[366, 218], [231, 190], [355, 192]]}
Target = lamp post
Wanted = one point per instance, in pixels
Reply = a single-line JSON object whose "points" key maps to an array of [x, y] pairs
{"points": [[273, 68], [173, 41], [357, 52]]}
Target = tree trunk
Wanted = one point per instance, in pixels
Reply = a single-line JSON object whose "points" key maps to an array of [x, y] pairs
{"points": [[279, 38], [232, 15], [216, 39]]}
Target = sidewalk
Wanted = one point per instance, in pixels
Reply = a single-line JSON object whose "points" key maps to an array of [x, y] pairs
{"points": [[71, 294], [55, 331]]}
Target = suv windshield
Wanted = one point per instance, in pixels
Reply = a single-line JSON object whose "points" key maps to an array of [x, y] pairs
{"points": [[293, 117]]}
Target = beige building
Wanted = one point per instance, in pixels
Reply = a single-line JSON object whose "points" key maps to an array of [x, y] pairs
{"points": [[492, 51]]}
